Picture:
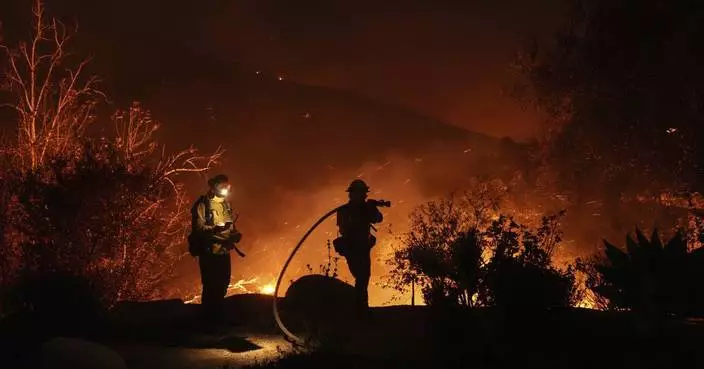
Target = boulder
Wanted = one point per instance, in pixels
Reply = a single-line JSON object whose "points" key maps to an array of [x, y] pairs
{"points": [[320, 296]]}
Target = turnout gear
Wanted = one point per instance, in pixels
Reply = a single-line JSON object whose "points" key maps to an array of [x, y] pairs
{"points": [[355, 222], [212, 227], [215, 272], [213, 235]]}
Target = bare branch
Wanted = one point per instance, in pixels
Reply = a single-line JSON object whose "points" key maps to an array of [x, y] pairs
{"points": [[54, 104]]}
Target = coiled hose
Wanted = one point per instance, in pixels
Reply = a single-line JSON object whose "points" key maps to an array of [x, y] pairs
{"points": [[289, 335]]}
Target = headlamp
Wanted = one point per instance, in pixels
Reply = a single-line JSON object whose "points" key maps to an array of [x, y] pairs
{"points": [[222, 190]]}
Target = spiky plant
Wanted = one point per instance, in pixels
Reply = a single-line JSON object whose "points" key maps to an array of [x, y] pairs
{"points": [[650, 276]]}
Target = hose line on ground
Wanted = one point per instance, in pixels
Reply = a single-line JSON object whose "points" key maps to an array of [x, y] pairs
{"points": [[292, 337], [297, 340]]}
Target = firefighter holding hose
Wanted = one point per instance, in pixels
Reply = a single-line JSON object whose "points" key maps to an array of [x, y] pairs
{"points": [[355, 222], [213, 236]]}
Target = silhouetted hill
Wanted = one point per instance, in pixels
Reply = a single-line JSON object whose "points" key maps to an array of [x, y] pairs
{"points": [[282, 136]]}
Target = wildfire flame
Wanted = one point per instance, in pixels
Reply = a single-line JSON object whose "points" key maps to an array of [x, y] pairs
{"points": [[268, 289], [242, 286]]}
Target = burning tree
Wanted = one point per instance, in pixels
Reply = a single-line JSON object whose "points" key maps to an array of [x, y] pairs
{"points": [[109, 210]]}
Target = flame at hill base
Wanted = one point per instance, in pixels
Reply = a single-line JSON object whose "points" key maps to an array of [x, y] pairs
{"points": [[407, 183]]}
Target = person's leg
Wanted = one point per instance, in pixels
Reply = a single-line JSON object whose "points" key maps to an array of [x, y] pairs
{"points": [[362, 282], [208, 277], [360, 269], [223, 282]]}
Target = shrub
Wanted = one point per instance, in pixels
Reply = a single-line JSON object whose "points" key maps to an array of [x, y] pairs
{"points": [[107, 211], [519, 274], [649, 276], [460, 252], [96, 217]]}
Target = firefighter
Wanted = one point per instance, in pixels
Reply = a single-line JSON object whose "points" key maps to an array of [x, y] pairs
{"points": [[213, 235], [354, 221]]}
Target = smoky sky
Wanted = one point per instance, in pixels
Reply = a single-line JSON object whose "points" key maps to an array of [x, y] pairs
{"points": [[447, 59]]}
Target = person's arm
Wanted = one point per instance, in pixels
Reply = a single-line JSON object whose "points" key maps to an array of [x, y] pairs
{"points": [[235, 235], [375, 215]]}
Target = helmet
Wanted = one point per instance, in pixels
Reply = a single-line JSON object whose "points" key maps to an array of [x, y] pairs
{"points": [[219, 184], [358, 185], [218, 179]]}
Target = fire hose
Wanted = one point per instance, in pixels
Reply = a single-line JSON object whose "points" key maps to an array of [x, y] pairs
{"points": [[297, 341], [289, 335]]}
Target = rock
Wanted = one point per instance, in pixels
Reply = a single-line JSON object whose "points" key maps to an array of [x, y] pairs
{"points": [[320, 296], [71, 353]]}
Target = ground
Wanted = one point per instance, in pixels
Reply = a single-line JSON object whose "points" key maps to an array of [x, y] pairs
{"points": [[165, 334]]}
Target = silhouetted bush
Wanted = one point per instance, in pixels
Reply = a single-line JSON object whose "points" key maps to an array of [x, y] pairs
{"points": [[109, 211], [459, 252], [519, 274], [96, 217], [60, 302], [649, 277]]}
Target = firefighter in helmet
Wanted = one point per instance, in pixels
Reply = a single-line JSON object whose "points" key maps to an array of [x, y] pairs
{"points": [[213, 236], [354, 221]]}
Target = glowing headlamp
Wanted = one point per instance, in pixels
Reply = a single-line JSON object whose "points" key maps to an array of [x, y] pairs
{"points": [[223, 189]]}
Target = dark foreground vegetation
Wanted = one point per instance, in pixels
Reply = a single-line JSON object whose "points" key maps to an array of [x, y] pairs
{"points": [[393, 337]]}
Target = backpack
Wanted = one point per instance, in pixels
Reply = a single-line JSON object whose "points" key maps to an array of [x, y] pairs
{"points": [[196, 246]]}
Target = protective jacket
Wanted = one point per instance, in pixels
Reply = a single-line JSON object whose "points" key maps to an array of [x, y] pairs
{"points": [[207, 213], [354, 222]]}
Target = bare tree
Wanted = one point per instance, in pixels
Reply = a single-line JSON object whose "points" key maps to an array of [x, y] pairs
{"points": [[128, 237], [54, 103], [134, 131], [134, 139]]}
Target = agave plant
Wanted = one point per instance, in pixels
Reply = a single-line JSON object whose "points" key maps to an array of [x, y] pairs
{"points": [[650, 276]]}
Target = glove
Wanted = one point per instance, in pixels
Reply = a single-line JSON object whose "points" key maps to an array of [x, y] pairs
{"points": [[235, 237], [222, 228], [232, 240], [231, 246]]}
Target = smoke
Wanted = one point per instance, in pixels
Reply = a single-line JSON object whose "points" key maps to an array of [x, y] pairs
{"points": [[288, 169]]}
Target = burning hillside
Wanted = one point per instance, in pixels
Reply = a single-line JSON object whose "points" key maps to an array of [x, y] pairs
{"points": [[291, 151]]}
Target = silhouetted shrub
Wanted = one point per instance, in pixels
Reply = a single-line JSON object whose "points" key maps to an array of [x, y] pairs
{"points": [[61, 303], [109, 211], [649, 277], [519, 274], [97, 217], [459, 252]]}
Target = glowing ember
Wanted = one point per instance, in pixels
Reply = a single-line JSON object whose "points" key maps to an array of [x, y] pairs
{"points": [[241, 286], [268, 289]]}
